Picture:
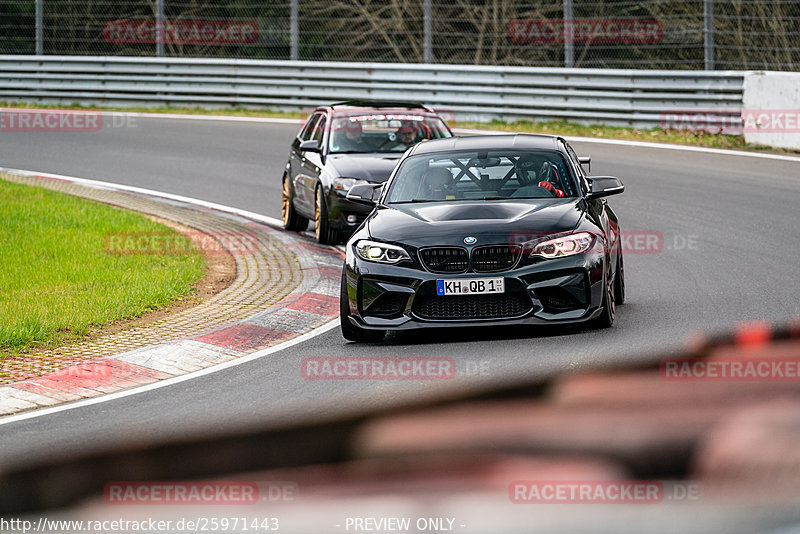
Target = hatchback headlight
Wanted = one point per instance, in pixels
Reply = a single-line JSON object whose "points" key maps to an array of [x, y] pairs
{"points": [[380, 252], [562, 246], [345, 184]]}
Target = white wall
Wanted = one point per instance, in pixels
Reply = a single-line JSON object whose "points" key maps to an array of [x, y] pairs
{"points": [[771, 108]]}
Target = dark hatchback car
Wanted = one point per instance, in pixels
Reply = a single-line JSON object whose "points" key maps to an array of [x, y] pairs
{"points": [[486, 230], [343, 145]]}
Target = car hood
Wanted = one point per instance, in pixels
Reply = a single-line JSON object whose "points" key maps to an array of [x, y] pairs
{"points": [[492, 221], [371, 167]]}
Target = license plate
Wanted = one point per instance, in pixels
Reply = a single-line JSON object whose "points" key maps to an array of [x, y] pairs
{"points": [[470, 286]]}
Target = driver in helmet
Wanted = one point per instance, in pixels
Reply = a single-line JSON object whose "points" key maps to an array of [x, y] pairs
{"points": [[535, 173]]}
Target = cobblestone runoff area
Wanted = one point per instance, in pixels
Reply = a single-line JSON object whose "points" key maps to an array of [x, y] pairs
{"points": [[285, 285]]}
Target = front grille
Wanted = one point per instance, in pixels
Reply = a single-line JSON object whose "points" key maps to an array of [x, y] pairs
{"points": [[471, 306], [494, 258], [445, 259]]}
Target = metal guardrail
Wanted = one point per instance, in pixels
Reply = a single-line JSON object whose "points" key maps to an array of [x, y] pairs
{"points": [[638, 98]]}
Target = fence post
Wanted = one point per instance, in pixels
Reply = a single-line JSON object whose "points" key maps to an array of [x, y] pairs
{"points": [[294, 31], [569, 50], [427, 23], [160, 30], [39, 27], [708, 33]]}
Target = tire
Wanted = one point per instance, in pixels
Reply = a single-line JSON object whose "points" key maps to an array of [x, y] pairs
{"points": [[607, 316], [292, 220], [324, 233], [350, 331], [619, 282]]}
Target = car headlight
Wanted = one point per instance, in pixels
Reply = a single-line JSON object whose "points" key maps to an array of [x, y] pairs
{"points": [[562, 246], [380, 252], [345, 184]]}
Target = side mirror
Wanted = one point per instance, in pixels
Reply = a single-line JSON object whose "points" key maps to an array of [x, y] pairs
{"points": [[312, 145], [365, 193], [586, 160], [603, 186]]}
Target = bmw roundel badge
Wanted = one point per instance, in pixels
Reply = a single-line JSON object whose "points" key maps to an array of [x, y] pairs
{"points": [[469, 240]]}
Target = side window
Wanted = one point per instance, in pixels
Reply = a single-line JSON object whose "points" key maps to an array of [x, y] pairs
{"points": [[576, 164], [305, 133], [320, 130], [574, 157]]}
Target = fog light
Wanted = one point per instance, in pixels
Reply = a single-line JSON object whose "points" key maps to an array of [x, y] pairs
{"points": [[351, 219]]}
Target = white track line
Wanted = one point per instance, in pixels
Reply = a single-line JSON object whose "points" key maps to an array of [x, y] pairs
{"points": [[170, 381], [333, 323], [272, 120], [644, 144], [619, 142], [277, 223], [182, 116]]}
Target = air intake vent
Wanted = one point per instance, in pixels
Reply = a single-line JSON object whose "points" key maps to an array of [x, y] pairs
{"points": [[465, 307]]}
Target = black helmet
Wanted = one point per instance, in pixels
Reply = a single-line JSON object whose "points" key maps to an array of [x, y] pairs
{"points": [[527, 167]]}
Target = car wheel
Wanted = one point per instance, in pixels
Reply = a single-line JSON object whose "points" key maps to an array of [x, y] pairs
{"points": [[291, 219], [606, 317], [619, 283], [349, 330], [325, 234]]}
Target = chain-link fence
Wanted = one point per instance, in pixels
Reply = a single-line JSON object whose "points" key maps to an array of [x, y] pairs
{"points": [[642, 34]]}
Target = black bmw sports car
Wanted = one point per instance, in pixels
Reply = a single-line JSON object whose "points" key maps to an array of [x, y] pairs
{"points": [[486, 230], [346, 144]]}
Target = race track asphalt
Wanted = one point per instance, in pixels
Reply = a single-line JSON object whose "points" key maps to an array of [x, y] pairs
{"points": [[730, 233]]}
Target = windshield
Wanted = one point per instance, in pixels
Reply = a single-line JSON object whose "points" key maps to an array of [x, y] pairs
{"points": [[481, 175], [383, 132]]}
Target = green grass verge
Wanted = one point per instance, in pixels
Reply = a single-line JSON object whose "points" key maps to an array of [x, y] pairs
{"points": [[57, 280], [654, 135]]}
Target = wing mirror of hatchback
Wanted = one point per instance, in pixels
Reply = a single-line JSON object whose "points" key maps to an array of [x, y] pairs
{"points": [[365, 193], [312, 145], [603, 186]]}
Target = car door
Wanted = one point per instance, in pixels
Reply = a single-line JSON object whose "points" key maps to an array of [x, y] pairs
{"points": [[310, 169], [297, 169]]}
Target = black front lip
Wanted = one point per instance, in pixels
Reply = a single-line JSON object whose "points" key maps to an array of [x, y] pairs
{"points": [[531, 278]]}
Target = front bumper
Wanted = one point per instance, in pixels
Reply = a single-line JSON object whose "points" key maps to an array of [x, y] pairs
{"points": [[398, 297], [339, 209]]}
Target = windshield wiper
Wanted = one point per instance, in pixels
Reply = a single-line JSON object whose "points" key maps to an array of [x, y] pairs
{"points": [[415, 201]]}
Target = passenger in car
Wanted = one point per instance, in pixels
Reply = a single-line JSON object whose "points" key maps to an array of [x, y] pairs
{"points": [[353, 139], [406, 136]]}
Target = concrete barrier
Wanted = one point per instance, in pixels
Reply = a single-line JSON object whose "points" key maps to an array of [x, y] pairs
{"points": [[771, 108]]}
